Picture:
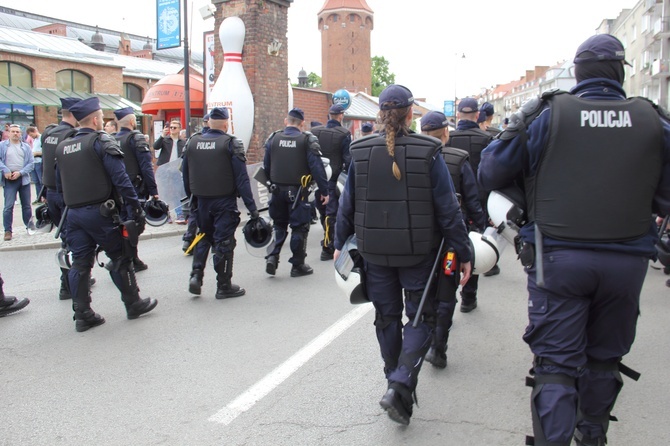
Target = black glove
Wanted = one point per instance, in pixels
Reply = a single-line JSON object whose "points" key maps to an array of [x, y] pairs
{"points": [[140, 219], [254, 215]]}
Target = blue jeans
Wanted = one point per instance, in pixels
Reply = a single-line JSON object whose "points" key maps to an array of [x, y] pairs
{"points": [[36, 177], [11, 189]]}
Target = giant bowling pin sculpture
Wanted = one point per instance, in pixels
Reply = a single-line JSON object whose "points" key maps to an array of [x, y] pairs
{"points": [[231, 89]]}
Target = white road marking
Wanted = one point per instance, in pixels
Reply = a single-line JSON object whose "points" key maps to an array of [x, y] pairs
{"points": [[273, 379]]}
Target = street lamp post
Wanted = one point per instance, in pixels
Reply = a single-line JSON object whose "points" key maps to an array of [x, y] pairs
{"points": [[456, 59]]}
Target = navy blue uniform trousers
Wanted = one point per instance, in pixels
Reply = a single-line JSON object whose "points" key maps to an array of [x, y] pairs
{"points": [[586, 312], [283, 215], [402, 346]]}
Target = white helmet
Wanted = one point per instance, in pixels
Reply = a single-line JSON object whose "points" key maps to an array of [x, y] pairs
{"points": [[506, 211], [349, 273], [326, 166], [341, 181], [485, 252], [64, 258]]}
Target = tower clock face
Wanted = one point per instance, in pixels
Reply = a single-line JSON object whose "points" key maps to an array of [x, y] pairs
{"points": [[168, 21]]}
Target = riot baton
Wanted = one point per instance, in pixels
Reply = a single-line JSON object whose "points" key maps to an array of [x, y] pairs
{"points": [[664, 224], [424, 296], [539, 261], [62, 221]]}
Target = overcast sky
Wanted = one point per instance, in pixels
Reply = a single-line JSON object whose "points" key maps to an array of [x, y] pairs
{"points": [[423, 40]]}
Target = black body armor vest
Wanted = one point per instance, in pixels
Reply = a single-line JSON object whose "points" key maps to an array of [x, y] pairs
{"points": [[581, 190], [129, 156], [455, 158], [50, 140], [395, 220], [289, 159], [472, 141], [85, 180], [330, 140], [210, 169]]}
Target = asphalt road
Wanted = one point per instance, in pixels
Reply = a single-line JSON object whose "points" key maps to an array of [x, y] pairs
{"points": [[290, 363]]}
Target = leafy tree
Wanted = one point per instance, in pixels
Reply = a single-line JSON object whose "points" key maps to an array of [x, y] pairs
{"points": [[381, 75]]}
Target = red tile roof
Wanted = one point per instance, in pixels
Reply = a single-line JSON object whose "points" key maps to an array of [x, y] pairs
{"points": [[345, 4]]}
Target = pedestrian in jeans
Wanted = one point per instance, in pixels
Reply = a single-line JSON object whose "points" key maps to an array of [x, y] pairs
{"points": [[36, 175], [16, 163]]}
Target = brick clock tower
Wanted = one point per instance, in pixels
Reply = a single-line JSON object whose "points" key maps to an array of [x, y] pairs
{"points": [[265, 61], [345, 27]]}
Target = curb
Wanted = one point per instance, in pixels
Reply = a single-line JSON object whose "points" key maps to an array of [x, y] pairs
{"points": [[57, 244]]}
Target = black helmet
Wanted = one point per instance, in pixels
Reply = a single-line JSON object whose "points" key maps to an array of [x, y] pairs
{"points": [[258, 232], [43, 222], [157, 212]]}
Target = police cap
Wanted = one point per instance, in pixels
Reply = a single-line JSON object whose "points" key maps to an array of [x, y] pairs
{"points": [[600, 47], [219, 113], [487, 108], [336, 109], [367, 127], [66, 103], [85, 107], [395, 96], [433, 120], [468, 105], [297, 113], [123, 112]]}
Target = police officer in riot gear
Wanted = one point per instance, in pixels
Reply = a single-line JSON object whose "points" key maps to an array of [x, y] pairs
{"points": [[401, 194], [469, 137], [594, 232], [192, 219], [95, 188], [334, 140], [292, 161], [214, 171], [51, 137], [435, 124], [488, 112], [137, 158]]}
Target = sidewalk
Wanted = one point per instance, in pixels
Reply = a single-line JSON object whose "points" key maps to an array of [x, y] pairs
{"points": [[21, 241]]}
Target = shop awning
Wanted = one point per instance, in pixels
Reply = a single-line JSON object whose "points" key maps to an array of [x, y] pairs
{"points": [[51, 97], [168, 94]]}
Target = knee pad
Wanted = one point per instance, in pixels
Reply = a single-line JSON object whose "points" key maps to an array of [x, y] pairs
{"points": [[537, 382], [224, 246], [428, 315], [381, 322]]}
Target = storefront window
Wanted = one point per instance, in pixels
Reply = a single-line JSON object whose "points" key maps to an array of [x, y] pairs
{"points": [[15, 75], [71, 80]]}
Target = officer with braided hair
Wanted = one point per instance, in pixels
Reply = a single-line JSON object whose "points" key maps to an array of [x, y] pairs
{"points": [[401, 194], [137, 158], [95, 186], [214, 171], [595, 166], [292, 161]]}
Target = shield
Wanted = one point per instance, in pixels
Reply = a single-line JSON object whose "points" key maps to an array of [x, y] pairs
{"points": [[170, 184]]}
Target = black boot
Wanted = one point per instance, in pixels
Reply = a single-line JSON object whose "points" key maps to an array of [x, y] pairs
{"points": [[271, 264], [10, 304], [64, 293], [301, 270], [125, 281], [139, 265], [139, 307], [397, 402], [226, 290], [87, 319], [224, 275], [195, 282], [468, 302], [84, 316]]}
